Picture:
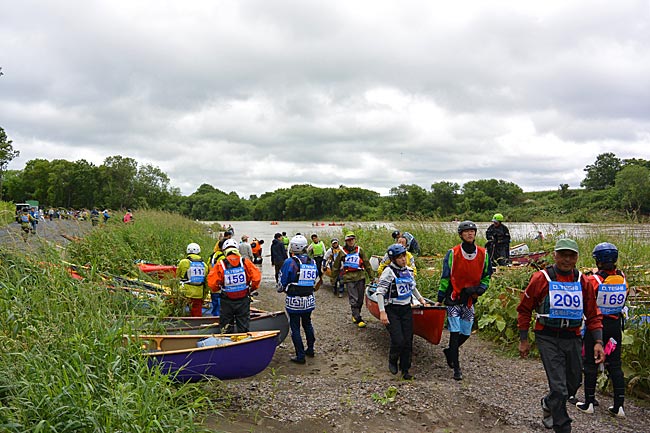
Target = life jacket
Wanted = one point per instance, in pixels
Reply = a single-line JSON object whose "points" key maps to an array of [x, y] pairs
{"points": [[466, 272], [402, 286], [352, 261], [24, 219], [611, 293], [195, 274], [215, 257], [318, 248], [566, 298], [234, 282], [306, 278]]}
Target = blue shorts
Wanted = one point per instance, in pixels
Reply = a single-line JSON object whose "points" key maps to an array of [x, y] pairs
{"points": [[460, 319]]}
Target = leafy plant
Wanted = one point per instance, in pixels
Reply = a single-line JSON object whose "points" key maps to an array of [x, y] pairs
{"points": [[389, 396]]}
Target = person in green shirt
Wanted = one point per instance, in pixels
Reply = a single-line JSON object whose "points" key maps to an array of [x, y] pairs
{"points": [[316, 250]]}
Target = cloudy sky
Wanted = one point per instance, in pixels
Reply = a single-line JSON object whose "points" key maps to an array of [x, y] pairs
{"points": [[255, 95]]}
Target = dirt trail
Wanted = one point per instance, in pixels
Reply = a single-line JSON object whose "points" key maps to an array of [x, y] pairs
{"points": [[333, 391]]}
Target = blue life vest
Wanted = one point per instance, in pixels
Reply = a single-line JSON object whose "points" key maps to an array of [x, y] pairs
{"points": [[402, 286], [196, 273], [563, 306], [234, 281]]}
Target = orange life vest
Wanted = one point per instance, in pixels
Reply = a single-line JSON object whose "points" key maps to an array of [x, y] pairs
{"points": [[466, 273]]}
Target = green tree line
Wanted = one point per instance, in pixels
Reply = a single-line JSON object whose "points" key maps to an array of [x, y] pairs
{"points": [[614, 189]]}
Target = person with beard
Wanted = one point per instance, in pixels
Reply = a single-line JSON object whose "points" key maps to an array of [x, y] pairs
{"points": [[465, 276]]}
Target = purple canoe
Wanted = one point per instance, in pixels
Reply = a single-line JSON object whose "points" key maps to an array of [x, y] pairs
{"points": [[234, 355]]}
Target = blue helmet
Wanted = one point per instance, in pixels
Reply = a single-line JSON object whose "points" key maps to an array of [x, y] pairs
{"points": [[605, 252], [396, 250]]}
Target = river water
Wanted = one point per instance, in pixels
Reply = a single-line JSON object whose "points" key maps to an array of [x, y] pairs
{"points": [[520, 232]]}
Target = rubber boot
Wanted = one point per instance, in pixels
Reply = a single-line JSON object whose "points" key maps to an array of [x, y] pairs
{"points": [[453, 354]]}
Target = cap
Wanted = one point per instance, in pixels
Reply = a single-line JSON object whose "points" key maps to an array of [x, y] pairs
{"points": [[334, 240], [350, 235], [567, 244]]}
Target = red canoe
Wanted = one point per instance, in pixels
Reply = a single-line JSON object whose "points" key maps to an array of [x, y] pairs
{"points": [[427, 321], [161, 271]]}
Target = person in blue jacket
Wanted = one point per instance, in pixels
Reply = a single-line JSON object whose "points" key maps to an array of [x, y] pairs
{"points": [[297, 280]]}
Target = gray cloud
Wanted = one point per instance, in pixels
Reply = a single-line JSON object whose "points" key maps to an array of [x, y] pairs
{"points": [[250, 96]]}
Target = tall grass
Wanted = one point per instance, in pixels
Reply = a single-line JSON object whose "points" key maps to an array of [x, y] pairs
{"points": [[7, 212]]}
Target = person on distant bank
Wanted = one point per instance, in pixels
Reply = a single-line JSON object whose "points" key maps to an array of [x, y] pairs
{"points": [[498, 241]]}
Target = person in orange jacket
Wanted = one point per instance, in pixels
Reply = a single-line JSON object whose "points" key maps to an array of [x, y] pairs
{"points": [[234, 278]]}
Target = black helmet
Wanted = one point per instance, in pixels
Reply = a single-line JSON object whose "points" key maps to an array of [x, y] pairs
{"points": [[396, 234], [466, 225]]}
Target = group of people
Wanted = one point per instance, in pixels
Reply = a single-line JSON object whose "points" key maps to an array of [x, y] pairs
{"points": [[563, 300]]}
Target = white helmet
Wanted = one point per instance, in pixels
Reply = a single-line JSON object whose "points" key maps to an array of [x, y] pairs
{"points": [[193, 248], [297, 244], [230, 243]]}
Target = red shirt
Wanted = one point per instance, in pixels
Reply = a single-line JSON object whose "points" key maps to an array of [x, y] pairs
{"points": [[537, 290]]}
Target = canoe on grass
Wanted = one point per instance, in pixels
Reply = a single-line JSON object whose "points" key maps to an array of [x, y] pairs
{"points": [[427, 321], [260, 321], [159, 271], [190, 358]]}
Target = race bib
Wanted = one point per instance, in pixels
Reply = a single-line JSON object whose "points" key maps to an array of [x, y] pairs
{"points": [[308, 275], [352, 261], [404, 287], [234, 279], [565, 300], [196, 273], [611, 298]]}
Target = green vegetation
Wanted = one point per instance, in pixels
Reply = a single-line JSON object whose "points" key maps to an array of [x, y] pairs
{"points": [[614, 190], [7, 212]]}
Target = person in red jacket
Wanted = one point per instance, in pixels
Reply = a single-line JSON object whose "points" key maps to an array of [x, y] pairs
{"points": [[560, 296], [610, 287], [235, 278]]}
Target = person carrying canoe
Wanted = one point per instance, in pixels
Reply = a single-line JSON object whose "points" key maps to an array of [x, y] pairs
{"points": [[610, 288], [355, 266], [328, 261], [395, 290], [234, 278], [412, 244], [410, 260], [297, 279], [465, 276], [192, 271], [560, 295], [498, 241]]}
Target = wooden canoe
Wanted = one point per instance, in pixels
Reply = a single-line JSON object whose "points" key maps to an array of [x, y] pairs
{"points": [[234, 355], [428, 321]]}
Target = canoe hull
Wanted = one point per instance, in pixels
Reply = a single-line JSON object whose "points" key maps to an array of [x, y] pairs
{"points": [[428, 322], [231, 361]]}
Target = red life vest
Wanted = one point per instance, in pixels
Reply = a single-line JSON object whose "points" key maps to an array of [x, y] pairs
{"points": [[466, 273]]}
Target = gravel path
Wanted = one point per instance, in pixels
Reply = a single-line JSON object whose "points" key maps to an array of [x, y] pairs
{"points": [[333, 391]]}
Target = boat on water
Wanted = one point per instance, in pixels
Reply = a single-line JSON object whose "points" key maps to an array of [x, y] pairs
{"points": [[191, 358], [428, 321], [260, 321]]}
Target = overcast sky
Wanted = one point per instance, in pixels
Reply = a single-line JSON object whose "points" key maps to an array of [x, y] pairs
{"points": [[251, 96]]}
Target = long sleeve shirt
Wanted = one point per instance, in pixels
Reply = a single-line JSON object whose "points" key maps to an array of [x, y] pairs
{"points": [[537, 290], [383, 289]]}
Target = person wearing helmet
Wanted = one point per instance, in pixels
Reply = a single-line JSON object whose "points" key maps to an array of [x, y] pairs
{"points": [[297, 280], [316, 250], [412, 244], [560, 296], [611, 289], [498, 241], [395, 291], [278, 255], [410, 260], [234, 278], [465, 276], [328, 261], [217, 255], [192, 271], [354, 266]]}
